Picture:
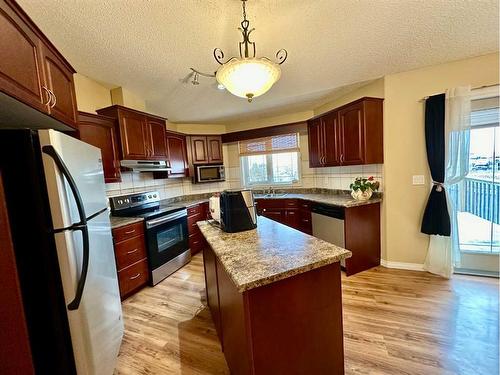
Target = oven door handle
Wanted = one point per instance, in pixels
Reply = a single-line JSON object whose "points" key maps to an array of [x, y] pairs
{"points": [[166, 219]]}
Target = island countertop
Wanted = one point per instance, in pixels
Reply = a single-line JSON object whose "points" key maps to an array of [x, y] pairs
{"points": [[269, 253]]}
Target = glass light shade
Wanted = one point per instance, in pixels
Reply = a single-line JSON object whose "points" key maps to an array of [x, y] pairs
{"points": [[248, 77]]}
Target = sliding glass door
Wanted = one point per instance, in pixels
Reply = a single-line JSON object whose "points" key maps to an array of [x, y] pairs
{"points": [[477, 198]]}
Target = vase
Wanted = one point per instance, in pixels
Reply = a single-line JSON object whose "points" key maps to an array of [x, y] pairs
{"points": [[362, 195]]}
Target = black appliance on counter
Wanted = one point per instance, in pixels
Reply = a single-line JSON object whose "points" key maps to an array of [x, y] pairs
{"points": [[167, 237], [237, 211]]}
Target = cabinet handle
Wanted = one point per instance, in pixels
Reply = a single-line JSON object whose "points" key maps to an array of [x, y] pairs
{"points": [[55, 99], [49, 97], [196, 242], [130, 231], [341, 158], [132, 251], [135, 277]]}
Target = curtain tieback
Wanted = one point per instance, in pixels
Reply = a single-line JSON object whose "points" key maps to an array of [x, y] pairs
{"points": [[439, 186]]}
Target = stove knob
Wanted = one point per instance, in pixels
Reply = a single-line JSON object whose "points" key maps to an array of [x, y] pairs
{"points": [[149, 196], [154, 195], [120, 201]]}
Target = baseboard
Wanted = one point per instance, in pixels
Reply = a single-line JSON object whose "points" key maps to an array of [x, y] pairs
{"points": [[402, 265]]}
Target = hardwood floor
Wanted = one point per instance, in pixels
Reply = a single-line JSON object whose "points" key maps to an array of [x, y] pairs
{"points": [[395, 322]]}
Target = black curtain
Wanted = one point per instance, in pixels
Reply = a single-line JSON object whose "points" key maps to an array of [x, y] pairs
{"points": [[436, 218]]}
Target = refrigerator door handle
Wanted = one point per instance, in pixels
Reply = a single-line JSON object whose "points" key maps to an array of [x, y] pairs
{"points": [[75, 304], [81, 225]]}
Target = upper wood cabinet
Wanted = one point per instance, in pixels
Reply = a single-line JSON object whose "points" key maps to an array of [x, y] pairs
{"points": [[177, 155], [99, 131], [31, 69], [323, 141], [349, 135], [141, 135], [205, 149], [59, 80], [214, 145], [199, 149]]}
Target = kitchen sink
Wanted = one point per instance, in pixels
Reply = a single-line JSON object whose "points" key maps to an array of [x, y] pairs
{"points": [[275, 195]]}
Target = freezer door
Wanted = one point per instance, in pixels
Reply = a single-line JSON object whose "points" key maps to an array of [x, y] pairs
{"points": [[96, 327], [85, 166]]}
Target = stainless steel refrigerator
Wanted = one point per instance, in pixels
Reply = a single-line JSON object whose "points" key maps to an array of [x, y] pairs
{"points": [[57, 207]]}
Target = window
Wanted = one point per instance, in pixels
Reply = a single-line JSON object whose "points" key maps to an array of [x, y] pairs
{"points": [[477, 196], [270, 160]]}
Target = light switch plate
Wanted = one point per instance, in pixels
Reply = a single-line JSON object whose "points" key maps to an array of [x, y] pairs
{"points": [[418, 179]]}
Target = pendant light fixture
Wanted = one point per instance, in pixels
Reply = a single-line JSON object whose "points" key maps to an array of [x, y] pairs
{"points": [[246, 76]]}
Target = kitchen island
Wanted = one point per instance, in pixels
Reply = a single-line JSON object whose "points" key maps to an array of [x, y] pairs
{"points": [[275, 297]]}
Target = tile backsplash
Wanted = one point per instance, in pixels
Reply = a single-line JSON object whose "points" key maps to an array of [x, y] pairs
{"points": [[327, 178], [135, 182]]}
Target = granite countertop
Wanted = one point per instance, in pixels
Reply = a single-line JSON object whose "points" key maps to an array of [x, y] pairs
{"points": [[342, 200], [117, 221], [269, 253]]}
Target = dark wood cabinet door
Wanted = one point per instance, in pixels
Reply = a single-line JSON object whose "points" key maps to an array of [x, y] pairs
{"points": [[59, 79], [177, 156], [212, 289], [331, 147], [99, 131], [352, 134], [274, 214], [315, 138], [157, 140], [214, 145], [199, 149], [134, 133], [20, 63], [292, 218]]}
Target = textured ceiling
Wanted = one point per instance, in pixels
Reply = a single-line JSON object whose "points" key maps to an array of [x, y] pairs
{"points": [[148, 46]]}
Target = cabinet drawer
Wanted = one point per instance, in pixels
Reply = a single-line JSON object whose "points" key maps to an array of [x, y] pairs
{"points": [[130, 251], [128, 231], [196, 243], [291, 203], [193, 210], [133, 277], [304, 205], [192, 220]]}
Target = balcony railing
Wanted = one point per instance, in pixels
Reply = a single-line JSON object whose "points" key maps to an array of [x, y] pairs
{"points": [[481, 198]]}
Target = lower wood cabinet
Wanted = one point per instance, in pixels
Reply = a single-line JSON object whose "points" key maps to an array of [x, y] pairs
{"points": [[361, 228], [290, 212], [291, 326], [131, 258], [196, 213]]}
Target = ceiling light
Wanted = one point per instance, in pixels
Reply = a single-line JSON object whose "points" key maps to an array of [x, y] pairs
{"points": [[247, 76]]}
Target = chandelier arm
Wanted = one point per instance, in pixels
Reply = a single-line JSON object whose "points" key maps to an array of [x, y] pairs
{"points": [[281, 55], [219, 56], [203, 74]]}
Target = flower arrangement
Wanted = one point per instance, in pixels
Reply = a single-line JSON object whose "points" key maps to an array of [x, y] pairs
{"points": [[362, 188]]}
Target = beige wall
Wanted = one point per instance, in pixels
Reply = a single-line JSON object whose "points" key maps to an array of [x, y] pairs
{"points": [[128, 99], [374, 89], [197, 128], [90, 95], [404, 147], [262, 122]]}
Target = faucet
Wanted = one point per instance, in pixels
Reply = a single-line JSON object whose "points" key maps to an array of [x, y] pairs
{"points": [[271, 191]]}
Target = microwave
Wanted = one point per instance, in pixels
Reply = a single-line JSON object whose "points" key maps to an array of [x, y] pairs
{"points": [[209, 173]]}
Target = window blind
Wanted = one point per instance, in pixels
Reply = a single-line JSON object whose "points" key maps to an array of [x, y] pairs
{"points": [[272, 144]]}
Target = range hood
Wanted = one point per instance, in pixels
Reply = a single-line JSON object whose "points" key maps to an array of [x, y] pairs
{"points": [[145, 165]]}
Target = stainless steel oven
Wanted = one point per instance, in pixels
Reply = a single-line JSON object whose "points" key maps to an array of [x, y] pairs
{"points": [[209, 173], [166, 231], [167, 244]]}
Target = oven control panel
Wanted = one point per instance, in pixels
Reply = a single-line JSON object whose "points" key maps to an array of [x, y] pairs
{"points": [[133, 200]]}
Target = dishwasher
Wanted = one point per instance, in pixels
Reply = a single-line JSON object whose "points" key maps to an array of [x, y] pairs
{"points": [[328, 225]]}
